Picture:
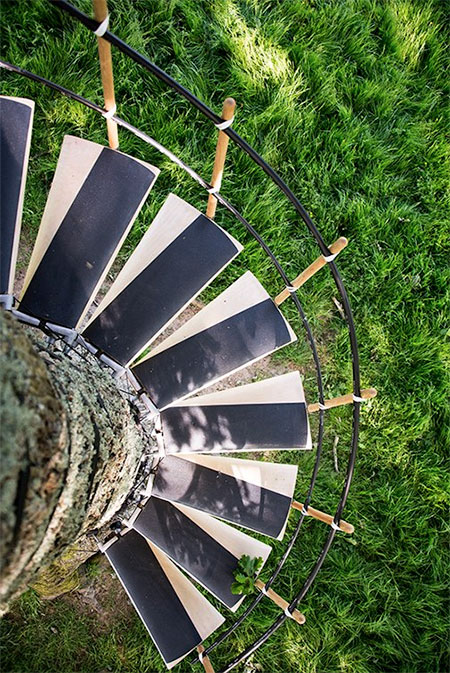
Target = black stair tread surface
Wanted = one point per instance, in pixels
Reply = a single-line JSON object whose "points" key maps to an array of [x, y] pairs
{"points": [[239, 427], [240, 502], [153, 596], [191, 364], [189, 546], [15, 122], [158, 293], [87, 239]]}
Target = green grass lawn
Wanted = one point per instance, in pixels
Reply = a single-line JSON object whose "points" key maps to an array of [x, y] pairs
{"points": [[347, 100]]}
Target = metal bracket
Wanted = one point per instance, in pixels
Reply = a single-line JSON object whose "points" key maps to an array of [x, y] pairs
{"points": [[106, 545], [142, 396], [69, 335], [23, 317], [7, 300]]}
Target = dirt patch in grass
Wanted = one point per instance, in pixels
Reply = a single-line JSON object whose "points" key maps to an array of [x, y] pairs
{"points": [[101, 597]]}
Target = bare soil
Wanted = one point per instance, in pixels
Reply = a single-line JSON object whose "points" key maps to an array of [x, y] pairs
{"points": [[101, 596]]}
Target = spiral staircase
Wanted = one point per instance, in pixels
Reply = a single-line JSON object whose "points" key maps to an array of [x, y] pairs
{"points": [[184, 529]]}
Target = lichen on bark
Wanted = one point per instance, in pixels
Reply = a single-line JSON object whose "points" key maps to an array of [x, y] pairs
{"points": [[70, 452]]}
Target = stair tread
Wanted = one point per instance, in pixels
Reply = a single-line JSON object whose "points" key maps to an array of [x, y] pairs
{"points": [[180, 254], [176, 615], [16, 120], [95, 196], [269, 414], [207, 549], [260, 501], [238, 328]]}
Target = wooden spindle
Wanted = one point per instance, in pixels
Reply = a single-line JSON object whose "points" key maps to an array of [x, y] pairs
{"points": [[104, 53], [366, 394], [270, 593], [229, 106], [326, 518], [335, 248], [205, 660]]}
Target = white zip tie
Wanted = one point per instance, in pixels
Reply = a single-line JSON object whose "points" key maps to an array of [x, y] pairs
{"points": [[103, 27], [288, 613], [335, 525], [330, 258], [264, 590], [291, 289], [200, 656], [358, 399], [224, 124], [322, 407], [304, 511], [110, 113], [212, 190]]}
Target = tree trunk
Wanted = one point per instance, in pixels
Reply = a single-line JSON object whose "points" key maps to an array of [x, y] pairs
{"points": [[70, 454]]}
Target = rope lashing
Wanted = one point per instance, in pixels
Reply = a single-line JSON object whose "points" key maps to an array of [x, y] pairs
{"points": [[224, 124], [103, 27]]}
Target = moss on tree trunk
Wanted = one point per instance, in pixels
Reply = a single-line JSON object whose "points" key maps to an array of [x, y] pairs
{"points": [[70, 452]]}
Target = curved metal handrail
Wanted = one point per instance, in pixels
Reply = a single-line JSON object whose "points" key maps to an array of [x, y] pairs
{"points": [[148, 65]]}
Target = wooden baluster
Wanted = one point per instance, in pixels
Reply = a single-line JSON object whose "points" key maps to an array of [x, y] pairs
{"points": [[270, 593], [335, 248], [326, 518], [104, 53], [205, 660], [221, 152], [366, 394]]}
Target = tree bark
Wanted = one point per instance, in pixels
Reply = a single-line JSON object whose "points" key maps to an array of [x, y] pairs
{"points": [[71, 448]]}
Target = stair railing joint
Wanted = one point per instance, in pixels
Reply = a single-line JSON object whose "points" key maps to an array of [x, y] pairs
{"points": [[226, 123], [103, 27]]}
